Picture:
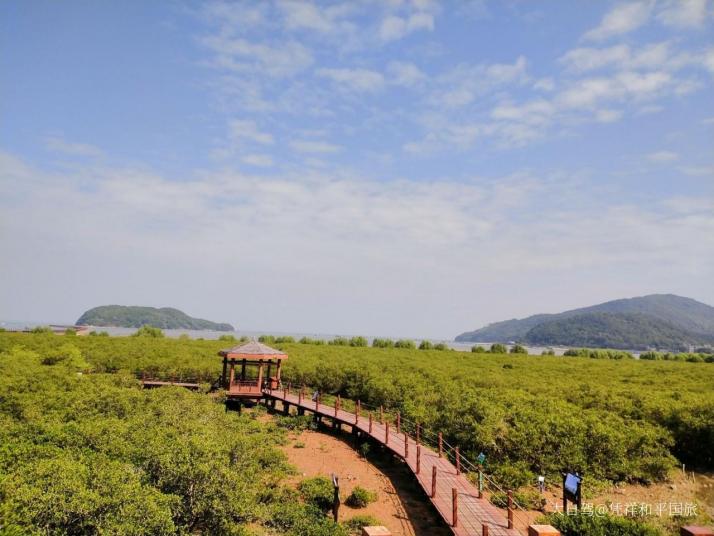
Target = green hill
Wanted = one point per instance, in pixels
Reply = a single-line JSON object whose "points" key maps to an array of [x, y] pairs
{"points": [[634, 331], [671, 322], [134, 317]]}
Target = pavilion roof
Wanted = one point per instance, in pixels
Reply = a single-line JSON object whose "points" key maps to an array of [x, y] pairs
{"points": [[253, 350]]}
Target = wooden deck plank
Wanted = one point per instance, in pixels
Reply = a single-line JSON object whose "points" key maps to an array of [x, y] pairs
{"points": [[472, 511]]}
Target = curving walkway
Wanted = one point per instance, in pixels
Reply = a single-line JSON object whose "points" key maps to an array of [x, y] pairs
{"points": [[472, 513]]}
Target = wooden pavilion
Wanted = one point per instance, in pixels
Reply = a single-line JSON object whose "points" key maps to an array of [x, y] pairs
{"points": [[256, 362]]}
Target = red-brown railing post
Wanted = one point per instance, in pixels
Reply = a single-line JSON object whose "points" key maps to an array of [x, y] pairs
{"points": [[357, 412], [337, 405], [433, 481], [454, 507], [441, 446], [370, 422], [317, 402], [458, 461], [418, 467], [386, 433], [399, 422], [418, 433], [381, 414], [406, 447], [510, 509], [299, 396], [484, 530]]}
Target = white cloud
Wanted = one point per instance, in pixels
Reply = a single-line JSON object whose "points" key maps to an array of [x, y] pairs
{"points": [[405, 74], [461, 85], [60, 145], [622, 19], [608, 116], [347, 238], [237, 54], [246, 129], [544, 84], [660, 56], [589, 92], [258, 160], [354, 79], [698, 171], [394, 27], [305, 15], [662, 157], [684, 13], [310, 146]]}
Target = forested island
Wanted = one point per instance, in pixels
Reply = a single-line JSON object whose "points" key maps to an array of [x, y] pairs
{"points": [[656, 321], [134, 317]]}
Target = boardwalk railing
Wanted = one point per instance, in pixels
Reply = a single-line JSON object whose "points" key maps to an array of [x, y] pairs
{"points": [[454, 484]]}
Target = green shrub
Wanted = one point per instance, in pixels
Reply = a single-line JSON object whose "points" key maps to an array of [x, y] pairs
{"points": [[498, 349], [440, 346], [518, 349], [382, 343], [356, 523], [478, 349], [360, 497], [227, 338], [529, 499], [426, 345], [149, 331], [548, 351], [94, 333], [359, 342], [294, 422], [405, 343], [318, 491], [599, 525], [339, 341], [513, 475], [364, 449], [41, 330]]}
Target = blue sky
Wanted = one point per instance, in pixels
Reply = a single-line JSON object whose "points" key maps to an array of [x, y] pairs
{"points": [[389, 168]]}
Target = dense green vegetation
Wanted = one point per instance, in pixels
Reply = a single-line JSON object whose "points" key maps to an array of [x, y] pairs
{"points": [[613, 330], [591, 525], [135, 317], [86, 452], [609, 419], [655, 321]]}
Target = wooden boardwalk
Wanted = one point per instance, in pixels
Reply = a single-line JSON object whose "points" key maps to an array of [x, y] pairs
{"points": [[472, 513]]}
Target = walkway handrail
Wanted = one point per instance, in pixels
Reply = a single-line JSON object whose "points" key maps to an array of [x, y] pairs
{"points": [[445, 448]]}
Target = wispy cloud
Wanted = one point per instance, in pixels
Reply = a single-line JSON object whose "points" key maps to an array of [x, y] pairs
{"points": [[685, 13], [622, 19], [61, 145], [380, 229], [311, 146], [662, 157], [238, 54], [354, 79]]}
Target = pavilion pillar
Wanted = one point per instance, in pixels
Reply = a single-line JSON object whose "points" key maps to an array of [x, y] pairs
{"points": [[242, 371], [260, 374], [277, 373], [270, 370], [225, 372], [233, 373]]}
